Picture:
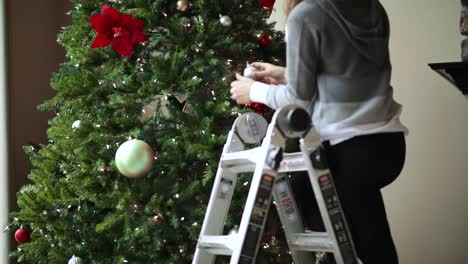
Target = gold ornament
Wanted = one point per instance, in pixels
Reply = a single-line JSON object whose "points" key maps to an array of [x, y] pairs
{"points": [[182, 98], [149, 110], [102, 167], [182, 5], [188, 108]]}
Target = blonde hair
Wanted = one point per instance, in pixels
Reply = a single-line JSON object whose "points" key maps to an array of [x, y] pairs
{"points": [[290, 4]]}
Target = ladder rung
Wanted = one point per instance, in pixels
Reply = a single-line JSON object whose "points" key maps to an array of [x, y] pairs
{"points": [[312, 241], [244, 161], [218, 245], [292, 162], [241, 161]]}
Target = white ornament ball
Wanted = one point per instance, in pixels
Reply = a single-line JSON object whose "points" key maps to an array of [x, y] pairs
{"points": [[75, 260], [249, 72], [226, 21], [134, 158], [76, 124]]}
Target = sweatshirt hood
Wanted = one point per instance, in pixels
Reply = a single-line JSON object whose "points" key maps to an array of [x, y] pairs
{"points": [[365, 24]]}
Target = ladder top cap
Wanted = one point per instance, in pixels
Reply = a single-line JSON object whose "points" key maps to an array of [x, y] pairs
{"points": [[299, 119]]}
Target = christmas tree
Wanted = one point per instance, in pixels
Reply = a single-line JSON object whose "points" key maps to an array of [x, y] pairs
{"points": [[142, 112]]}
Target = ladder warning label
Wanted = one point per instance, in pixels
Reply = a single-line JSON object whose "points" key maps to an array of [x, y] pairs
{"points": [[268, 178], [287, 202], [324, 178], [263, 200], [257, 219], [336, 217], [251, 241]]}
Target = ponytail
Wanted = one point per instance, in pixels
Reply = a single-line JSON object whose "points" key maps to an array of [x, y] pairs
{"points": [[290, 4]]}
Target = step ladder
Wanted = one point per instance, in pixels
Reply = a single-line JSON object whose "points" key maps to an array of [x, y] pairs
{"points": [[270, 181]]}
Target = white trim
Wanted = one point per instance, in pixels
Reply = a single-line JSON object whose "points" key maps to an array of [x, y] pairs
{"points": [[3, 141]]}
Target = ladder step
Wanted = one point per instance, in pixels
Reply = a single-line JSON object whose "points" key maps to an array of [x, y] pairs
{"points": [[245, 161], [218, 245], [312, 241], [292, 162], [241, 161]]}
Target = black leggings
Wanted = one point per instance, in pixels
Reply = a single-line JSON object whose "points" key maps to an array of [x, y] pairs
{"points": [[360, 167]]}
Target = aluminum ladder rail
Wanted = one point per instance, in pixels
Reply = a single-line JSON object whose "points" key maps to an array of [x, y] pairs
{"points": [[269, 182]]}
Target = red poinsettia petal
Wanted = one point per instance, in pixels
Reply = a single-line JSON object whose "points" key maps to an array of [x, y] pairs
{"points": [[102, 40], [125, 21], [99, 24], [138, 37], [111, 15], [123, 46], [136, 25], [268, 4]]}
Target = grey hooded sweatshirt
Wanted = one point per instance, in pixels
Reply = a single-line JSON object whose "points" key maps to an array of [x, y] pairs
{"points": [[338, 68]]}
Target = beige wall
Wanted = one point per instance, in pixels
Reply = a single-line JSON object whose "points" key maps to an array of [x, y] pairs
{"points": [[428, 205]]}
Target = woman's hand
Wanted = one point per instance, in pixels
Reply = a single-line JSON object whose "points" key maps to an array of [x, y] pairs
{"points": [[269, 73], [240, 89]]}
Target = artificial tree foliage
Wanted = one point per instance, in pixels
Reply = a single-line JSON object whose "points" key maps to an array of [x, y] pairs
{"points": [[77, 202]]}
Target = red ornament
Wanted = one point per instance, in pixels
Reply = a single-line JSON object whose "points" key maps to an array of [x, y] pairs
{"points": [[122, 31], [265, 41], [267, 3], [260, 109], [22, 235]]}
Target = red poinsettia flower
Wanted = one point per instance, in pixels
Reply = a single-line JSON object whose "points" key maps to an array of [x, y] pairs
{"points": [[122, 31], [268, 4]]}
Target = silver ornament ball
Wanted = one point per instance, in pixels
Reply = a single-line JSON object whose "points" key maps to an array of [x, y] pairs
{"points": [[251, 127], [75, 260], [226, 21], [249, 72], [134, 158]]}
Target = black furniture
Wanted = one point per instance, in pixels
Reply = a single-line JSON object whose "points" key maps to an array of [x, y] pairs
{"points": [[455, 72]]}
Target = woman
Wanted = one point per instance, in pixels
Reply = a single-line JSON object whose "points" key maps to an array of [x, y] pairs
{"points": [[338, 68]]}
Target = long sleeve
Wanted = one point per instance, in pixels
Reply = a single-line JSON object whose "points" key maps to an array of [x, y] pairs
{"points": [[259, 92], [302, 60], [303, 44]]}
